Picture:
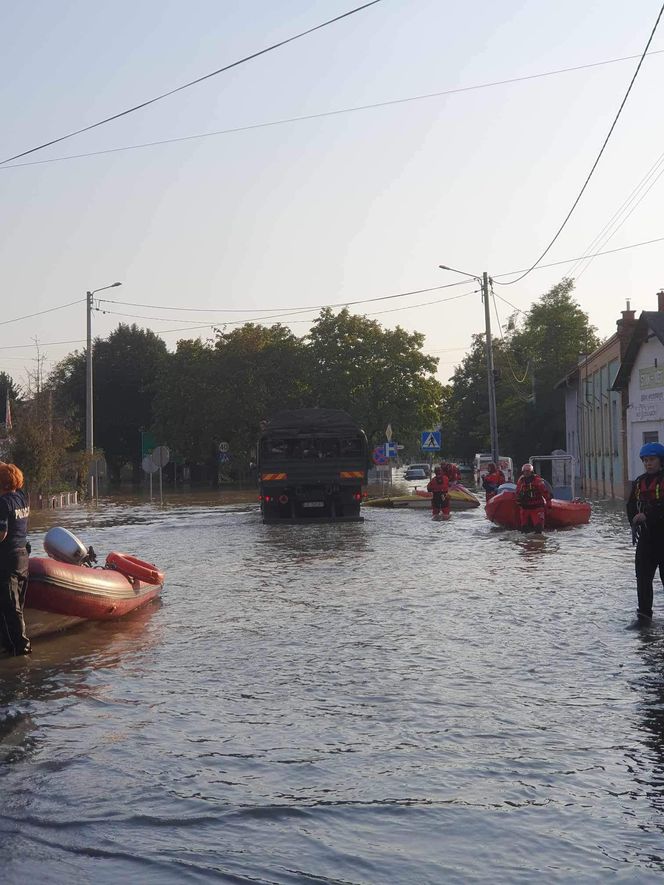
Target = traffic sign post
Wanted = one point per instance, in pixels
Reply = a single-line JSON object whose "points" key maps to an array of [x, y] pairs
{"points": [[149, 467], [390, 450], [378, 456], [161, 456]]}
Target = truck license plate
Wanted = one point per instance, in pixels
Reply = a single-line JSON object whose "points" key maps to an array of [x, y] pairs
{"points": [[314, 504]]}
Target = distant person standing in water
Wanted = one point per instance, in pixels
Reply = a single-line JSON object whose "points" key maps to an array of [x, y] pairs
{"points": [[492, 479], [14, 512], [439, 486], [645, 510]]}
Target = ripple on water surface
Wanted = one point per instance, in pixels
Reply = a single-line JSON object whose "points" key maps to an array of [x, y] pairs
{"points": [[396, 701]]}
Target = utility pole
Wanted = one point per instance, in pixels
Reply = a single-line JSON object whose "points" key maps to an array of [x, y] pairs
{"points": [[89, 417], [491, 378], [89, 438]]}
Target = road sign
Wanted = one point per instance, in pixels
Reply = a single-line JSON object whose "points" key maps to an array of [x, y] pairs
{"points": [[148, 442], [388, 433], [378, 455], [390, 450], [224, 447], [148, 464], [430, 441], [161, 456]]}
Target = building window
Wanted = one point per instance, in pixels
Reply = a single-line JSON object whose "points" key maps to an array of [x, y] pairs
{"points": [[650, 436]]}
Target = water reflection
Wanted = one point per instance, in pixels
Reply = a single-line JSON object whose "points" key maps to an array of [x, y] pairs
{"points": [[59, 670], [649, 768]]}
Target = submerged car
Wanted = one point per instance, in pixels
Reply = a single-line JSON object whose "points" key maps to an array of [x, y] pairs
{"points": [[423, 466], [414, 473]]}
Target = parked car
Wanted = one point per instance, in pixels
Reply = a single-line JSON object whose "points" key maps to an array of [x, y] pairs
{"points": [[424, 466], [414, 473]]}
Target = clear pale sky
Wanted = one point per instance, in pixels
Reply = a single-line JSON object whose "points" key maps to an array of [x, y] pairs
{"points": [[340, 208]]}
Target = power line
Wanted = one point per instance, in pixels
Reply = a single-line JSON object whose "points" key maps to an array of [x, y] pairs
{"points": [[157, 98], [606, 234], [597, 159], [295, 310], [285, 312], [323, 114], [284, 309], [572, 260], [41, 344], [40, 312], [506, 350], [278, 316]]}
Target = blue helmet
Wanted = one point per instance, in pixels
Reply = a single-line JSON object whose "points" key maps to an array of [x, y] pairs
{"points": [[652, 449]]}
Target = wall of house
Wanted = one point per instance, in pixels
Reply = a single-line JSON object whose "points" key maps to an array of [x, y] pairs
{"points": [[599, 423], [572, 429], [645, 413]]}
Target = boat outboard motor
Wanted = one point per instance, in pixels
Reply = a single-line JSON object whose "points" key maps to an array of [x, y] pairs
{"points": [[64, 546]]}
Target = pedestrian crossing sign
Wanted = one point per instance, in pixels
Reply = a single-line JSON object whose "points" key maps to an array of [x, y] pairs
{"points": [[431, 441]]}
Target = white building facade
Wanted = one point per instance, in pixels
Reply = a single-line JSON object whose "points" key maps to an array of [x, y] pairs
{"points": [[641, 375]]}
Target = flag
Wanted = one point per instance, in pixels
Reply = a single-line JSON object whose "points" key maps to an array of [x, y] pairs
{"points": [[8, 414]]}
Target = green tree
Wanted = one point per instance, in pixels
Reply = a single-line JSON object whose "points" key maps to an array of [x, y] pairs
{"points": [[220, 391], [548, 342], [126, 368], [186, 412], [529, 361], [380, 376], [40, 443], [265, 369]]}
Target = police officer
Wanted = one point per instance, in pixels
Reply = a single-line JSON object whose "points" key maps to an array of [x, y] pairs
{"points": [[14, 512], [645, 511]]}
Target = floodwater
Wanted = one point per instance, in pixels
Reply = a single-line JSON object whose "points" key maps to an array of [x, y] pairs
{"points": [[397, 701]]}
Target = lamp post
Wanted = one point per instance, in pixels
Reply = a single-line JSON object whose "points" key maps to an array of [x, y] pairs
{"points": [[89, 409], [490, 370]]}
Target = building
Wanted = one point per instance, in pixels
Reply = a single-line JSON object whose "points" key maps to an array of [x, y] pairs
{"points": [[640, 381], [594, 415]]}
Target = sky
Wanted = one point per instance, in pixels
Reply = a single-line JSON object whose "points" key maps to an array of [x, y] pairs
{"points": [[344, 207]]}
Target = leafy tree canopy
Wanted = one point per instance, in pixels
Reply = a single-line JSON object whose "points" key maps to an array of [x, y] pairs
{"points": [[380, 376]]}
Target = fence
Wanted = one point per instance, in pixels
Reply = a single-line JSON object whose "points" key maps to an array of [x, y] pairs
{"points": [[55, 502]]}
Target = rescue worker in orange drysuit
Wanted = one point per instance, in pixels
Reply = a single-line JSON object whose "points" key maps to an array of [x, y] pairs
{"points": [[645, 510], [451, 471], [533, 496], [439, 486], [493, 478]]}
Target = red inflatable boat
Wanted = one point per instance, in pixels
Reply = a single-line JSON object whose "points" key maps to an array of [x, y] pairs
{"points": [[61, 594], [503, 509]]}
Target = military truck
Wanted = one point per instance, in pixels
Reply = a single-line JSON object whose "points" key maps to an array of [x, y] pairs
{"points": [[312, 466]]}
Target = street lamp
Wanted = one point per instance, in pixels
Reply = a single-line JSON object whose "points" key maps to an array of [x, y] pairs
{"points": [[89, 431], [490, 371]]}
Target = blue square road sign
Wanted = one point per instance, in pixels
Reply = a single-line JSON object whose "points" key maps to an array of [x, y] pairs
{"points": [[430, 441]]}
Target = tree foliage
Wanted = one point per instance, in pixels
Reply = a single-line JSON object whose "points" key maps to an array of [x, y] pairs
{"points": [[534, 355], [380, 376], [40, 445]]}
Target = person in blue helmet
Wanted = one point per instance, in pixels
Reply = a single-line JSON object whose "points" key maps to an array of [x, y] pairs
{"points": [[645, 510]]}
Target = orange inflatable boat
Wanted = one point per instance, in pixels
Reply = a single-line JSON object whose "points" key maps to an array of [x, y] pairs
{"points": [[503, 509]]}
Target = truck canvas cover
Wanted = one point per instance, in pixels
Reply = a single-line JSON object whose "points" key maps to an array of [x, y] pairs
{"points": [[300, 422]]}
